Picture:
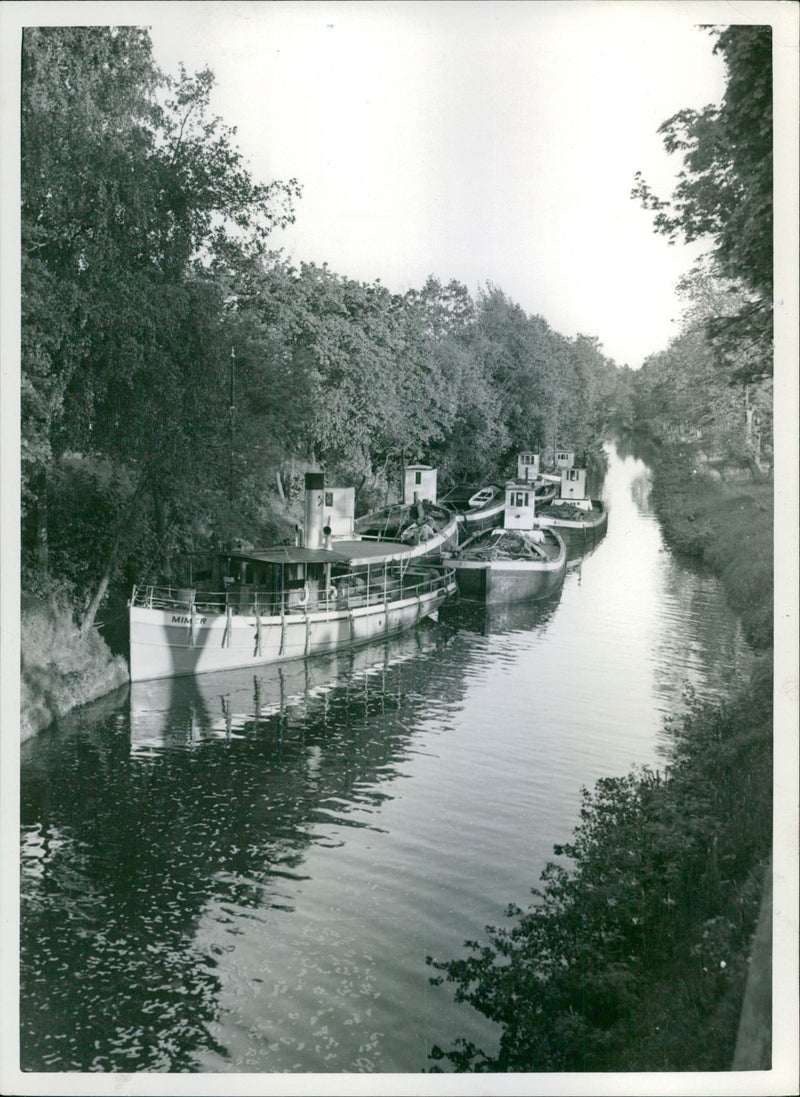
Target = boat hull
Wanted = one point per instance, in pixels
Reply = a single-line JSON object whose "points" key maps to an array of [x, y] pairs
{"points": [[367, 548], [478, 521], [580, 532], [371, 550], [166, 643], [508, 580]]}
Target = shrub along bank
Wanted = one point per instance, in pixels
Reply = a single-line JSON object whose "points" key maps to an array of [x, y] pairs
{"points": [[60, 668], [728, 525], [634, 954]]}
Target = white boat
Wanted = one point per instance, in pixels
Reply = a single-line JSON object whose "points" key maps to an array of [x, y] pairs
{"points": [[246, 608], [483, 497], [515, 562], [405, 531], [578, 518], [482, 508], [419, 526], [476, 508]]}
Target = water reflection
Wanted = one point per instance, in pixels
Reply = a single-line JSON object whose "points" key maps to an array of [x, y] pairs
{"points": [[203, 807], [499, 617], [245, 871]]}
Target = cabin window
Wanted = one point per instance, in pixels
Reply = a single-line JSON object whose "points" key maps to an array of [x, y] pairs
{"points": [[417, 477], [573, 474], [328, 498]]}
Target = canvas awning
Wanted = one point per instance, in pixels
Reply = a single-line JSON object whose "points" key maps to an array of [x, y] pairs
{"points": [[289, 554]]}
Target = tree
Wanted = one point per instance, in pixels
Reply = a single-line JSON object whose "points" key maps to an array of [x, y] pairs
{"points": [[724, 192], [130, 190]]}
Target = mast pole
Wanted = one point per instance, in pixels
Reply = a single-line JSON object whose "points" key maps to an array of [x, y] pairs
{"points": [[228, 540]]}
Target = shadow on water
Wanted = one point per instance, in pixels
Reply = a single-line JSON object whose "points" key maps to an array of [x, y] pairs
{"points": [[495, 618], [244, 871], [205, 794]]}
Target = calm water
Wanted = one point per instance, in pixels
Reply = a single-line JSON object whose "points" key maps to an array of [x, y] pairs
{"points": [[245, 872]]}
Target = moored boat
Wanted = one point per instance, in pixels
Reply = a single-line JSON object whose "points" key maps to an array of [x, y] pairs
{"points": [[512, 563], [477, 508], [405, 530], [578, 518], [482, 507], [245, 608], [418, 527], [530, 472]]}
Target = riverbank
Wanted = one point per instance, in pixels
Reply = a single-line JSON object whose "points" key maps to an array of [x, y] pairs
{"points": [[60, 669], [637, 951], [726, 524], [729, 525], [642, 946]]}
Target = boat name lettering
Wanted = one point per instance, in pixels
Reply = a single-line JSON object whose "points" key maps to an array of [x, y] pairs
{"points": [[178, 620]]}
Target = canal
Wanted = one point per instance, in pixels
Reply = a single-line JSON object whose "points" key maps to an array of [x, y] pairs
{"points": [[245, 872]]}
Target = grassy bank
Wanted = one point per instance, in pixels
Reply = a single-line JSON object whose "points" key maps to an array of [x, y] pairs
{"points": [[60, 669], [726, 524], [634, 955]]}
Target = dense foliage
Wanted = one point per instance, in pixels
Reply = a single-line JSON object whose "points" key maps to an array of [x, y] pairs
{"points": [[712, 386], [145, 264], [724, 193], [633, 956], [679, 396], [634, 953]]}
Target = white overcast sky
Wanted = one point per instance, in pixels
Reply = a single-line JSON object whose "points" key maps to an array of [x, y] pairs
{"points": [[481, 141]]}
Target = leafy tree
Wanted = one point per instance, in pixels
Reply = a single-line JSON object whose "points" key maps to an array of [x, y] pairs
{"points": [[127, 196], [521, 356], [681, 396], [724, 192]]}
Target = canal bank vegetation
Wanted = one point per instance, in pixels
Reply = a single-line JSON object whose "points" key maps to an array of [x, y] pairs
{"points": [[62, 667], [178, 376], [635, 952], [729, 526]]}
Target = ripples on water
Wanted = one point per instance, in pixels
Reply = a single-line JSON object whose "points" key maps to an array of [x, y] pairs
{"points": [[245, 872]]}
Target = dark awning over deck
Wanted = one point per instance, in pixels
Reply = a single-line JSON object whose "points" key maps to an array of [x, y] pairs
{"points": [[289, 554]]}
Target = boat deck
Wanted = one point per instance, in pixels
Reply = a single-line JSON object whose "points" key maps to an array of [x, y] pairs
{"points": [[367, 552]]}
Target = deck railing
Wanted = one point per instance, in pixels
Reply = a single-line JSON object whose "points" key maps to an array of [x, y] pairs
{"points": [[348, 591]]}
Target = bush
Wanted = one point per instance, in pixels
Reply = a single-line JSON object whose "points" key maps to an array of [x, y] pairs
{"points": [[634, 954], [60, 669]]}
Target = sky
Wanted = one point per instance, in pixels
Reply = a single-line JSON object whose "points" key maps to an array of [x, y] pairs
{"points": [[477, 141], [487, 142]]}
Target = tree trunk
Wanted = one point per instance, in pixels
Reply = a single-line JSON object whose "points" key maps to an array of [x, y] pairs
{"points": [[42, 547], [749, 411], [100, 593], [752, 437], [113, 556], [279, 485], [161, 530]]}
